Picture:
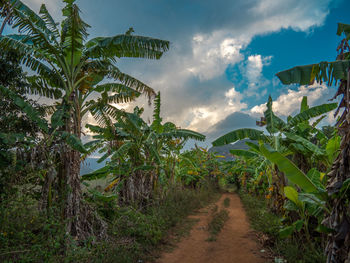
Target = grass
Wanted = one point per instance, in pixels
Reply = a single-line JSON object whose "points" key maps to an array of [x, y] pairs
{"points": [[134, 235], [268, 225], [149, 232], [176, 233], [214, 209], [227, 202], [216, 224]]}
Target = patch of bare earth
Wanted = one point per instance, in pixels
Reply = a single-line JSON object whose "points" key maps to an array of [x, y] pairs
{"points": [[235, 243]]}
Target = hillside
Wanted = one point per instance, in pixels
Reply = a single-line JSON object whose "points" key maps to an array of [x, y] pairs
{"points": [[225, 149]]}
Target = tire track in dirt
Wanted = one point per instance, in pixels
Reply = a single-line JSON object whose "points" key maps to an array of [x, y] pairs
{"points": [[235, 243]]}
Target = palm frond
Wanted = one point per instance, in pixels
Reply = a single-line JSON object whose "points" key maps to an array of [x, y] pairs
{"points": [[74, 32], [126, 46], [321, 72], [21, 43], [22, 14], [311, 113], [273, 123], [130, 81], [157, 120], [240, 134], [115, 87], [39, 86], [184, 134], [32, 113], [49, 21], [39, 36]]}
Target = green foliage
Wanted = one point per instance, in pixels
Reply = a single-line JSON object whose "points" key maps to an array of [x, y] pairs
{"points": [[29, 236], [227, 202], [292, 195], [293, 173], [309, 113], [273, 123], [279, 166], [292, 249], [216, 223], [239, 134]]}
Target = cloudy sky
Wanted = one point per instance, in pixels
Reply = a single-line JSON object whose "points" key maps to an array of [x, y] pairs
{"points": [[224, 54]]}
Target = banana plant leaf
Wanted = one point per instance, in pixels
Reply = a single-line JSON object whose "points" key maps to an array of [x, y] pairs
{"points": [[293, 173], [273, 123], [97, 174], [293, 196], [306, 144], [312, 112], [240, 134], [323, 71], [73, 141], [26, 108], [243, 153]]}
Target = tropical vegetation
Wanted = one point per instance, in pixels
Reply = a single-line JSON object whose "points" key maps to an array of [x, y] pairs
{"points": [[48, 210], [293, 177], [301, 170]]}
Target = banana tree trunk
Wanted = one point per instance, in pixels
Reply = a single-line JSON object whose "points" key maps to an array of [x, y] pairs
{"points": [[80, 219], [338, 246], [137, 189], [338, 242]]}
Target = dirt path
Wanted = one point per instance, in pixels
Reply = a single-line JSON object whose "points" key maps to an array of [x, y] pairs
{"points": [[235, 243]]}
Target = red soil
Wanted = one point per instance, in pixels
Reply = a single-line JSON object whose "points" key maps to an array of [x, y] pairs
{"points": [[235, 243]]}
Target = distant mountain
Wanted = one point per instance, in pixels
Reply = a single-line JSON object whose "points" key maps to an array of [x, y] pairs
{"points": [[90, 165], [225, 149]]}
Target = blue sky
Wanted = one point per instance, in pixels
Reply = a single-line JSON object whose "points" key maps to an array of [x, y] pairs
{"points": [[224, 54]]}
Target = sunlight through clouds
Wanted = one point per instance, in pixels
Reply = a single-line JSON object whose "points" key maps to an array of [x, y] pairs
{"points": [[205, 117], [196, 92]]}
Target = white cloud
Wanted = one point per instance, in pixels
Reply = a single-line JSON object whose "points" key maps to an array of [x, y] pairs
{"points": [[212, 53], [289, 103], [253, 74], [204, 117], [296, 14], [197, 56]]}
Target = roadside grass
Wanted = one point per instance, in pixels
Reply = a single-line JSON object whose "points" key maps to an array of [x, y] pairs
{"points": [[216, 223], [134, 235], [226, 202], [268, 225]]}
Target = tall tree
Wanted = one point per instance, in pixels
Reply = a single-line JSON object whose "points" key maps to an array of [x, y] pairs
{"points": [[69, 69]]}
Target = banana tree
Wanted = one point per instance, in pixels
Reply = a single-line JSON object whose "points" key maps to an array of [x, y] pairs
{"points": [[334, 72], [287, 140], [136, 151], [286, 137], [69, 68]]}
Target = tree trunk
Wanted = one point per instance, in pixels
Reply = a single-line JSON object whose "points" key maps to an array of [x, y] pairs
{"points": [[79, 218], [137, 189], [338, 245], [338, 242]]}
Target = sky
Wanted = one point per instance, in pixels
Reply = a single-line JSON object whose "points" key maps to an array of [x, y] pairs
{"points": [[223, 55]]}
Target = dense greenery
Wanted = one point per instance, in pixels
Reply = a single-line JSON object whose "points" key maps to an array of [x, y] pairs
{"points": [[47, 211], [292, 179], [301, 170]]}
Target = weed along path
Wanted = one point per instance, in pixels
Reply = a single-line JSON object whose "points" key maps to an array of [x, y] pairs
{"points": [[221, 235]]}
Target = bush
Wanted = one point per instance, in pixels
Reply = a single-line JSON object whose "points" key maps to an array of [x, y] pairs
{"points": [[269, 224]]}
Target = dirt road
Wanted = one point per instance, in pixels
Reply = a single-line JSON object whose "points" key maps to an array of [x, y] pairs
{"points": [[234, 244]]}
